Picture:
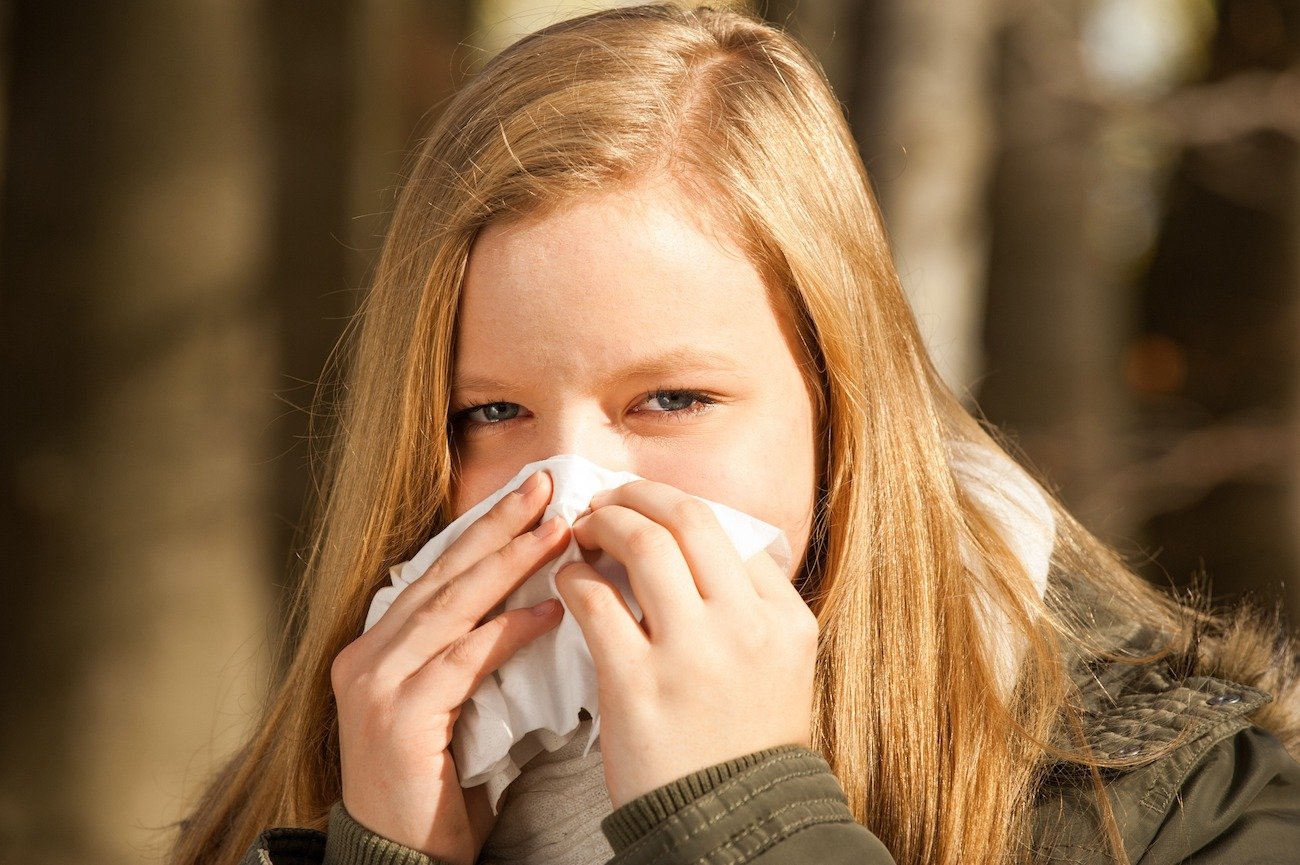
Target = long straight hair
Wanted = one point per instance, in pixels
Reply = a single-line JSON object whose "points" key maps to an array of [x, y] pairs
{"points": [[936, 755]]}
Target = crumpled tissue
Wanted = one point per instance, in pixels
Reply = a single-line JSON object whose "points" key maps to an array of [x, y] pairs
{"points": [[531, 702]]}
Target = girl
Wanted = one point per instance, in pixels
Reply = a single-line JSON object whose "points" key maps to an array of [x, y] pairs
{"points": [[644, 236]]}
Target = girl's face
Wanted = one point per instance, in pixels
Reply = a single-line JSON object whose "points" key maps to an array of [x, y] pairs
{"points": [[622, 329]]}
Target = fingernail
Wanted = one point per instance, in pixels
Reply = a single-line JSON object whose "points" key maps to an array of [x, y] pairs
{"points": [[529, 485], [545, 608], [548, 528]]}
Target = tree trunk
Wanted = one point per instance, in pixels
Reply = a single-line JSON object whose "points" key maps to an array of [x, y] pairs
{"points": [[928, 110], [140, 355], [915, 78], [1057, 316]]}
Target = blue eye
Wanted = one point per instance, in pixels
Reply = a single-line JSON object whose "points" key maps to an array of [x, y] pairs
{"points": [[493, 412], [678, 401], [670, 399]]}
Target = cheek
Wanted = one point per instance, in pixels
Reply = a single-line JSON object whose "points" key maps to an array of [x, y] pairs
{"points": [[473, 486], [782, 486], [782, 493], [767, 471]]}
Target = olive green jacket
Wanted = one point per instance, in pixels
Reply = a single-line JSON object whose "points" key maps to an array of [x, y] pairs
{"points": [[1217, 789]]}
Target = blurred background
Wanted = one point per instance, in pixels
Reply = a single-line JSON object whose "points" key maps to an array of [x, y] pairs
{"points": [[1095, 206]]}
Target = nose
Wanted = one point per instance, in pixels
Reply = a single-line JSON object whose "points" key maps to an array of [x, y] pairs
{"points": [[586, 432]]}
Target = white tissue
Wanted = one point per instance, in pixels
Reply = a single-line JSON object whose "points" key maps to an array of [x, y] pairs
{"points": [[531, 702]]}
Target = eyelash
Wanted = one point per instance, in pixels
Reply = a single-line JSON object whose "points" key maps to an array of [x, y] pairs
{"points": [[460, 416]]}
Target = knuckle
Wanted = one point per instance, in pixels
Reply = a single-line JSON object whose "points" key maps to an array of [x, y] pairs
{"points": [[506, 564], [434, 572], [648, 540], [506, 509], [587, 596], [462, 653], [690, 513], [501, 519], [440, 611], [355, 684], [510, 555], [341, 668], [439, 604], [511, 506], [494, 629], [442, 601], [805, 628], [595, 604]]}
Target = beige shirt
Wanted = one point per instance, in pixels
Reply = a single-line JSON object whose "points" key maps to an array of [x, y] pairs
{"points": [[551, 813]]}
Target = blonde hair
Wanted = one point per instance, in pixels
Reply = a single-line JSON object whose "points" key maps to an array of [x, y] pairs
{"points": [[934, 755]]}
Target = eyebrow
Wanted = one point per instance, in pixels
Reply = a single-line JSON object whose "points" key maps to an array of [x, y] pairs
{"points": [[672, 362]]}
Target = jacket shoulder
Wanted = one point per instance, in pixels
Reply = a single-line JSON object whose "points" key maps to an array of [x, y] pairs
{"points": [[1195, 772]]}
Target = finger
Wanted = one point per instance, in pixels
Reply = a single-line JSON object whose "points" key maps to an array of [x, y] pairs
{"points": [[515, 513], [461, 603], [656, 570], [710, 555], [608, 624], [455, 673], [767, 578]]}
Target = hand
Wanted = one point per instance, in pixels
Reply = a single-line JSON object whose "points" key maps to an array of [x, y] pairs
{"points": [[400, 685], [721, 664]]}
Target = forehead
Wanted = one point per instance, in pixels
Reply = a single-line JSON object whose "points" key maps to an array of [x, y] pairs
{"points": [[618, 274]]}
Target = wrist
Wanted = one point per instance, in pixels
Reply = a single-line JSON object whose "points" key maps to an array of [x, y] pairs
{"points": [[350, 843], [733, 791]]}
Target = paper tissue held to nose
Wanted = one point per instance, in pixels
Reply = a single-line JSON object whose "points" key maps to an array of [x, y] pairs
{"points": [[531, 702]]}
